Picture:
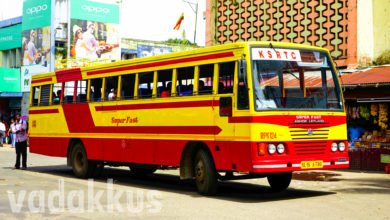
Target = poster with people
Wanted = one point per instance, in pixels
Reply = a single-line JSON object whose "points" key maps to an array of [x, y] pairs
{"points": [[36, 39], [93, 40], [36, 47], [94, 30]]}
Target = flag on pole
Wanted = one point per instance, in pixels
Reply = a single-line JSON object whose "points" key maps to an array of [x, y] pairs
{"points": [[178, 23]]}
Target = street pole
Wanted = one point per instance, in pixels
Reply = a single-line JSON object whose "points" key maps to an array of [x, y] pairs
{"points": [[195, 10], [196, 21]]}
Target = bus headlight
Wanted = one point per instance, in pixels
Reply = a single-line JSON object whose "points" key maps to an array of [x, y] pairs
{"points": [[341, 146], [271, 148], [280, 148], [334, 147]]}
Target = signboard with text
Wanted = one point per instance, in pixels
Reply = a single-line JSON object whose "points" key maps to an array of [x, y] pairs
{"points": [[10, 37], [10, 80]]}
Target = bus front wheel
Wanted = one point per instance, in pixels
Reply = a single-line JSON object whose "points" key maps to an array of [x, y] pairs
{"points": [[81, 166], [279, 181], [205, 173]]}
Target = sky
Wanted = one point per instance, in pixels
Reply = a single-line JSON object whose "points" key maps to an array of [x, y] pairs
{"points": [[144, 19]]}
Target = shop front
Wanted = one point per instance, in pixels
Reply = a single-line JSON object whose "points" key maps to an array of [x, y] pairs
{"points": [[10, 94], [367, 96]]}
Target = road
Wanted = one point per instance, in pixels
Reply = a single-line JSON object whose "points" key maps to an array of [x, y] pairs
{"points": [[48, 189]]}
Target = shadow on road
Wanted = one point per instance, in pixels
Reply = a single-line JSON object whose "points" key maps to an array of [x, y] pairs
{"points": [[228, 190]]}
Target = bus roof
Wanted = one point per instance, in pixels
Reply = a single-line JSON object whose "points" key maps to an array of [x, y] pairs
{"points": [[65, 73]]}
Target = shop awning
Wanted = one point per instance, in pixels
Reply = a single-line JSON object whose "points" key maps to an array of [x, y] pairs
{"points": [[371, 77]]}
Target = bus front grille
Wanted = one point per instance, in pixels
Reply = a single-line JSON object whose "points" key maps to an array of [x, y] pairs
{"points": [[308, 134], [309, 148]]}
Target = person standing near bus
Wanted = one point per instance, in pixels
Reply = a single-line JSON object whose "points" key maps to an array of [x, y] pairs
{"points": [[21, 142], [11, 132]]}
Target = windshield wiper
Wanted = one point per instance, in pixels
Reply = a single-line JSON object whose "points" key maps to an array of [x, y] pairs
{"points": [[288, 63]]}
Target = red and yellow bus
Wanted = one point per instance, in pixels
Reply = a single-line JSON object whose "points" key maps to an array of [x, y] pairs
{"points": [[241, 110]]}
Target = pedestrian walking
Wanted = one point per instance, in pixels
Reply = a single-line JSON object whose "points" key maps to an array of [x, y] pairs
{"points": [[2, 133], [21, 142], [11, 133]]}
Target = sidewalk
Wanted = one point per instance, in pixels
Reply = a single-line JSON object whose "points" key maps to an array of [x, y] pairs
{"points": [[7, 146]]}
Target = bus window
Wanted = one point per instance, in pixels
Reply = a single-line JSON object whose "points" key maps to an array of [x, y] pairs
{"points": [[185, 81], [145, 86], [69, 92], [111, 88], [128, 82], [82, 90], [206, 75], [45, 95], [164, 83], [226, 77], [35, 95], [56, 93], [96, 89]]}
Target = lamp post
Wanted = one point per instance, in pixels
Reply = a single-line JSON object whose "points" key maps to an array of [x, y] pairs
{"points": [[194, 7]]}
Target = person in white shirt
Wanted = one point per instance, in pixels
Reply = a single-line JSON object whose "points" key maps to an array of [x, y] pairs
{"points": [[12, 128], [2, 133], [21, 142]]}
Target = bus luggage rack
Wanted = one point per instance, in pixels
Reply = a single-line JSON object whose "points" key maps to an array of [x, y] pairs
{"points": [[309, 148]]}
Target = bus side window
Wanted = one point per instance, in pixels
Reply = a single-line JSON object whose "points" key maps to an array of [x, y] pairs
{"points": [[226, 78], [82, 90], [45, 95], [56, 93], [69, 92], [206, 75], [242, 94], [145, 86], [128, 82], [164, 83], [111, 88], [35, 95], [96, 89], [185, 81]]}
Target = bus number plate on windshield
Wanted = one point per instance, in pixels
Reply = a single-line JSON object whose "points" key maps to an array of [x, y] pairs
{"points": [[312, 164]]}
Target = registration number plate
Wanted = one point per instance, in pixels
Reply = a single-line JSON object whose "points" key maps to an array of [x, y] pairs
{"points": [[312, 164]]}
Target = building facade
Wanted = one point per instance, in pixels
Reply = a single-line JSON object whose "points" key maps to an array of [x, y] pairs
{"points": [[10, 50], [354, 31]]}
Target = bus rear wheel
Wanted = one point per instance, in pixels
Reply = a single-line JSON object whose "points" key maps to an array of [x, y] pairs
{"points": [[81, 166], [205, 173], [279, 181]]}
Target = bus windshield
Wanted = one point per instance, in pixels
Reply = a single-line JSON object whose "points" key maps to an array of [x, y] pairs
{"points": [[294, 79]]}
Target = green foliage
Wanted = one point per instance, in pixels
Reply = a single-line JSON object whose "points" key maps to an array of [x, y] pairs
{"points": [[181, 42], [384, 58]]}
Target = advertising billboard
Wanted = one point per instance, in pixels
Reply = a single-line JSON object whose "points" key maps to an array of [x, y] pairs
{"points": [[149, 50], [94, 30], [10, 37], [10, 80], [36, 35]]}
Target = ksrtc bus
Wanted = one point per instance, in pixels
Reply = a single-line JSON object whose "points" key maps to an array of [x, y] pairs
{"points": [[241, 110]]}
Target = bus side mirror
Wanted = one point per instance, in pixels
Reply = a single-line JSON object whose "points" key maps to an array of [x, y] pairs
{"points": [[242, 70], [225, 106]]}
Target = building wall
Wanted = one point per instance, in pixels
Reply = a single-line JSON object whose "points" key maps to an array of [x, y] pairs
{"points": [[381, 13], [328, 23], [365, 32]]}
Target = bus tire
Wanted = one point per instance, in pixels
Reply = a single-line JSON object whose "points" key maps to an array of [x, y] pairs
{"points": [[205, 173], [279, 181], [141, 170], [81, 166]]}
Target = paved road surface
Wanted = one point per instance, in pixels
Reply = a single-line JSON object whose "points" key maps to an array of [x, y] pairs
{"points": [[49, 190]]}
